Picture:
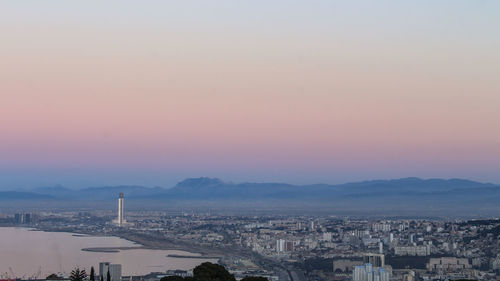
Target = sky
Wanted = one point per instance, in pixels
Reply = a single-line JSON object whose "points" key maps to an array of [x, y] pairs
{"points": [[99, 93]]}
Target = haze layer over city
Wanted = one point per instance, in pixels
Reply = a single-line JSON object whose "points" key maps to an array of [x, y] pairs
{"points": [[249, 140]]}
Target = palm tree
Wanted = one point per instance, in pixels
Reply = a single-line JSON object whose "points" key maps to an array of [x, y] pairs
{"points": [[77, 274]]}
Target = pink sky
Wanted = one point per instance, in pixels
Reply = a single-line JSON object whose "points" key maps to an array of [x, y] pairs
{"points": [[300, 99]]}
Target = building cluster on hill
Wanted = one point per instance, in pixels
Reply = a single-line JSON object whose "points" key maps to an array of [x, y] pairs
{"points": [[299, 248]]}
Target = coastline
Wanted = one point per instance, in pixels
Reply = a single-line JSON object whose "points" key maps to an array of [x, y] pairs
{"points": [[118, 249], [60, 251], [155, 242], [144, 242], [194, 257], [221, 254]]}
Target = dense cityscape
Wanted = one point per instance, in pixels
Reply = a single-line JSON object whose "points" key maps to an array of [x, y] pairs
{"points": [[296, 248]]}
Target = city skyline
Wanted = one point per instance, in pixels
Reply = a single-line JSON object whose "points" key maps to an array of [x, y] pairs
{"points": [[323, 92]]}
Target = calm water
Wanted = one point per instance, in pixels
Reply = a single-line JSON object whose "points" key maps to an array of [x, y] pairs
{"points": [[25, 251]]}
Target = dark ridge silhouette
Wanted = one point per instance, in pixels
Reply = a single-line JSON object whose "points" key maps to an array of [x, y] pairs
{"points": [[413, 194]]}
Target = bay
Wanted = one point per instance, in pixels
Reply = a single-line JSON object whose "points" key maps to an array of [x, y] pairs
{"points": [[25, 251]]}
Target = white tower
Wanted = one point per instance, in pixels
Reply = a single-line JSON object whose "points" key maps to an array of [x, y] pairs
{"points": [[120, 210]]}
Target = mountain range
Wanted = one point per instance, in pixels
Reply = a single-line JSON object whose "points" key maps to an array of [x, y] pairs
{"points": [[216, 189], [446, 197]]}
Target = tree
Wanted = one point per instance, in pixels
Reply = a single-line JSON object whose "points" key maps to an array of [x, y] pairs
{"points": [[108, 276], [172, 278], [254, 278], [211, 272], [53, 276], [208, 271], [77, 274], [92, 274]]}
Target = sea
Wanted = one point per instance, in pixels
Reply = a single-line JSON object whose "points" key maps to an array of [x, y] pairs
{"points": [[28, 253]]}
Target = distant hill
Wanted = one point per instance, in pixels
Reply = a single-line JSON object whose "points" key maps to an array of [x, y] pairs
{"points": [[99, 193], [213, 188], [377, 190], [15, 195], [414, 194]]}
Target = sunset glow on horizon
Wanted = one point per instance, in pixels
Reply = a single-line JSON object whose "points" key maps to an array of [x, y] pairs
{"points": [[152, 93]]}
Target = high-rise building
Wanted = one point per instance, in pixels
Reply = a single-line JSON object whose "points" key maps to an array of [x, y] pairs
{"points": [[280, 245], [421, 250], [19, 218], [120, 210], [369, 273], [115, 271], [327, 236], [381, 227], [25, 218]]}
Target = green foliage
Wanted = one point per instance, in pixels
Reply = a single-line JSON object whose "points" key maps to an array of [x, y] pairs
{"points": [[77, 274], [108, 276], [92, 274], [212, 272], [402, 262], [254, 278], [53, 276], [172, 278], [322, 264]]}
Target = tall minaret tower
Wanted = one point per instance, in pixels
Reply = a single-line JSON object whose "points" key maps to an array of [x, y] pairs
{"points": [[120, 210]]}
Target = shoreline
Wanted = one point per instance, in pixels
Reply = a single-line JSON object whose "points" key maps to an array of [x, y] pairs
{"points": [[154, 243], [194, 257], [108, 249], [221, 255], [118, 249], [147, 243]]}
